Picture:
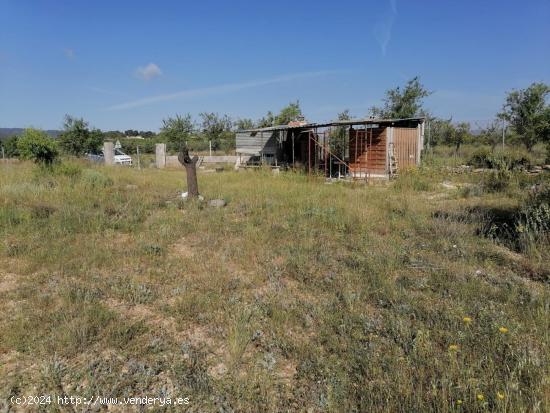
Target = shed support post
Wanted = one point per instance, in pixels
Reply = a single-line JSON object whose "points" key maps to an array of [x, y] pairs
{"points": [[293, 163], [309, 153]]}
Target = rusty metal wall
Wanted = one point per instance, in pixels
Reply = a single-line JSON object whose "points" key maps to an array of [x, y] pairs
{"points": [[368, 155], [406, 146]]}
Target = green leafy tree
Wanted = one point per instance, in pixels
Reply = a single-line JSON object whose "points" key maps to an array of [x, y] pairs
{"points": [[440, 131], [217, 129], [461, 135], [444, 132], [289, 113], [77, 138], [147, 134], [176, 131], [528, 113], [113, 135], [492, 134], [10, 147], [242, 124], [37, 146], [267, 120], [403, 102]]}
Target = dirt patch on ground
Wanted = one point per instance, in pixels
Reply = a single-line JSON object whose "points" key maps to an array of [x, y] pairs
{"points": [[140, 312], [286, 371], [185, 247], [198, 336], [181, 250], [8, 282]]}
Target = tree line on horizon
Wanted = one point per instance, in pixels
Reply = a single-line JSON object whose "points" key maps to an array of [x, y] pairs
{"points": [[525, 115], [77, 138]]}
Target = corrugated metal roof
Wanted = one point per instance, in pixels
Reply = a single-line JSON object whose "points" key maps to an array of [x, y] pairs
{"points": [[350, 122]]}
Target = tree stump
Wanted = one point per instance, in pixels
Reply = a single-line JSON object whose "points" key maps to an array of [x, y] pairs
{"points": [[191, 170]]}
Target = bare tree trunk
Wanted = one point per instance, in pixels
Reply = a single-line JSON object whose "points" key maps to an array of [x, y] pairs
{"points": [[191, 170]]}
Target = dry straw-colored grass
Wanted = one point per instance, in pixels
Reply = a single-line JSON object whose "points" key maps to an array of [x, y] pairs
{"points": [[297, 296]]}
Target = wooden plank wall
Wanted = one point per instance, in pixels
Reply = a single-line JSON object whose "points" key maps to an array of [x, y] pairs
{"points": [[366, 157], [264, 142], [406, 143]]}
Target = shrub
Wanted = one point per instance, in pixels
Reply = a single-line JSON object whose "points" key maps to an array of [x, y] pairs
{"points": [[502, 165], [10, 147], [524, 227], [481, 158], [511, 159], [532, 222], [42, 211], [37, 146], [499, 178]]}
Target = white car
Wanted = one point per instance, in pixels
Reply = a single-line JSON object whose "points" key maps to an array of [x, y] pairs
{"points": [[120, 158]]}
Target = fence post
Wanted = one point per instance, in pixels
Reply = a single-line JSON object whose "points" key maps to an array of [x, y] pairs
{"points": [[138, 160], [109, 153], [160, 155]]}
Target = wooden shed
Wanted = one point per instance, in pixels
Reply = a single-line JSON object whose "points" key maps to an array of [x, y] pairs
{"points": [[361, 148]]}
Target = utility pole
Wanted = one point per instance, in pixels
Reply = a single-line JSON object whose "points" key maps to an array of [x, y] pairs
{"points": [[503, 133], [429, 134]]}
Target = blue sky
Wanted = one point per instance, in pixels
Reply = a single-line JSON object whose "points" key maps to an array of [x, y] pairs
{"points": [[129, 64]]}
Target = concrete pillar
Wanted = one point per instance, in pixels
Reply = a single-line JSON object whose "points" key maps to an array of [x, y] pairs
{"points": [[109, 153], [160, 155]]}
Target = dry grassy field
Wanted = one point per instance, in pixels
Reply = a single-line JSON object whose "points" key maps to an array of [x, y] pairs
{"points": [[297, 296]]}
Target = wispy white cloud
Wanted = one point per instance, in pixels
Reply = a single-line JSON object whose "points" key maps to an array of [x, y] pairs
{"points": [[218, 90], [383, 28], [148, 72], [69, 53]]}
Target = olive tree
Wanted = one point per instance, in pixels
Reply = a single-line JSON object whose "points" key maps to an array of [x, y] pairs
{"points": [[403, 102], [217, 129], [77, 138], [528, 113], [177, 130]]}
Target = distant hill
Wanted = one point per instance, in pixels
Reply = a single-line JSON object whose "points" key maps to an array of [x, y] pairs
{"points": [[7, 132]]}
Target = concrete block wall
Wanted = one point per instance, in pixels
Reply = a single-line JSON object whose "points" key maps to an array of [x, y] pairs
{"points": [[171, 161]]}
